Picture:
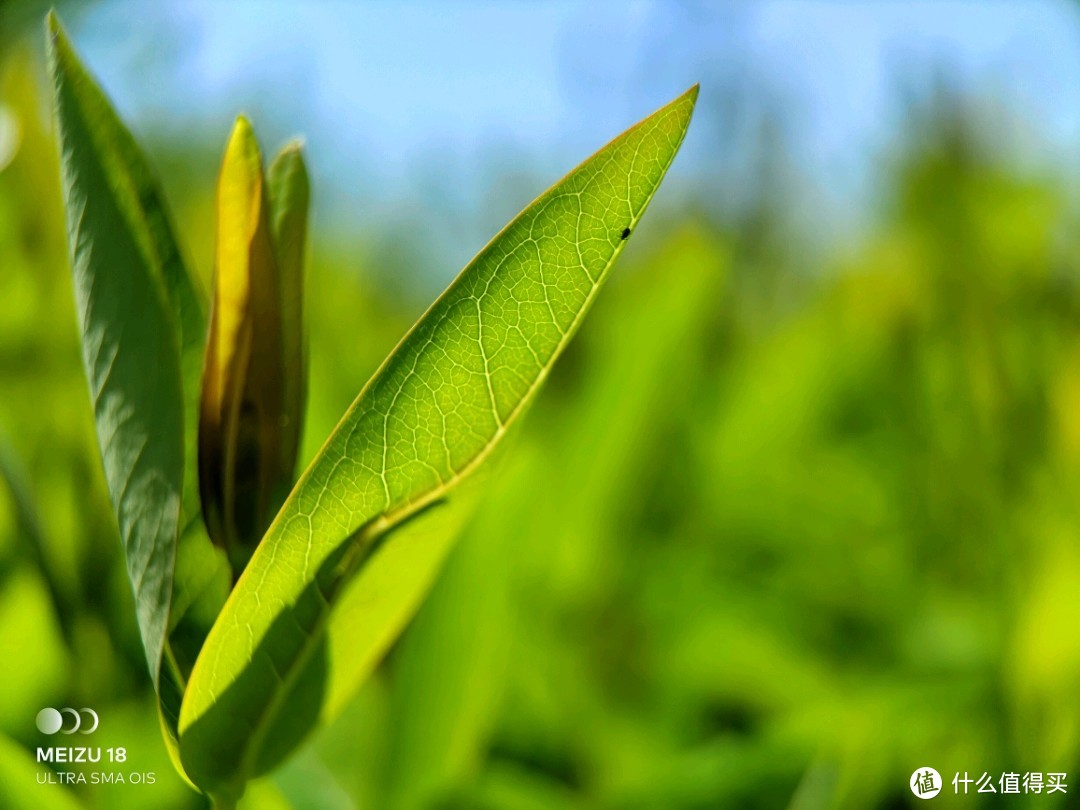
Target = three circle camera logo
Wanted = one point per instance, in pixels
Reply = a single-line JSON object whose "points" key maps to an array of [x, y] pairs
{"points": [[67, 721]]}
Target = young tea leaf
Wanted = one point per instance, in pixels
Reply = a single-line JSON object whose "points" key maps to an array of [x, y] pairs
{"points": [[272, 666], [290, 193], [142, 332], [252, 395]]}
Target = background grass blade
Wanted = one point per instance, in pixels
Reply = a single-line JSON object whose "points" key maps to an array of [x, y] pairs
{"points": [[429, 416], [142, 321], [19, 789]]}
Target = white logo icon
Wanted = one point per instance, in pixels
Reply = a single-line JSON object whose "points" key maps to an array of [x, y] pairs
{"points": [[51, 721], [925, 783]]}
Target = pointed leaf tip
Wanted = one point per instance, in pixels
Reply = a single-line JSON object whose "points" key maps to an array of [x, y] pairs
{"points": [[57, 46], [242, 127], [294, 145], [243, 144]]}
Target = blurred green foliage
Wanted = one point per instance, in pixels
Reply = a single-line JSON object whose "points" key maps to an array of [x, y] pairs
{"points": [[768, 539]]}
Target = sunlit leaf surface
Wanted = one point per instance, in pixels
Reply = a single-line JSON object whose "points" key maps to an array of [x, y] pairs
{"points": [[430, 416]]}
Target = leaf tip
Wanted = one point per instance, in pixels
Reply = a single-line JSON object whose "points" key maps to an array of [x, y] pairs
{"points": [[685, 105], [242, 131], [290, 157], [294, 146], [242, 150], [288, 175], [56, 41]]}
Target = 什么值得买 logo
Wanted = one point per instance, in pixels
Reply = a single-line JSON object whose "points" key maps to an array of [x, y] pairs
{"points": [[925, 783]]}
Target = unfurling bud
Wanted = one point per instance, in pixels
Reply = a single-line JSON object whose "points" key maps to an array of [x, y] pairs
{"points": [[254, 379]]}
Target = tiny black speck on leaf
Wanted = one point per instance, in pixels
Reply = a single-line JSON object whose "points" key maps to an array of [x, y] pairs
{"points": [[625, 233]]}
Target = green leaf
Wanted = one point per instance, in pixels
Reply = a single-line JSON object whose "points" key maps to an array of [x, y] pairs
{"points": [[241, 403], [290, 195], [253, 389], [278, 660], [140, 317]]}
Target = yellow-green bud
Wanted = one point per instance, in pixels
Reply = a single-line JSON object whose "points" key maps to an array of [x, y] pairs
{"points": [[254, 377]]}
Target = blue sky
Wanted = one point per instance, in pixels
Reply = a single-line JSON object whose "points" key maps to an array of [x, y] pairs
{"points": [[388, 94]]}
